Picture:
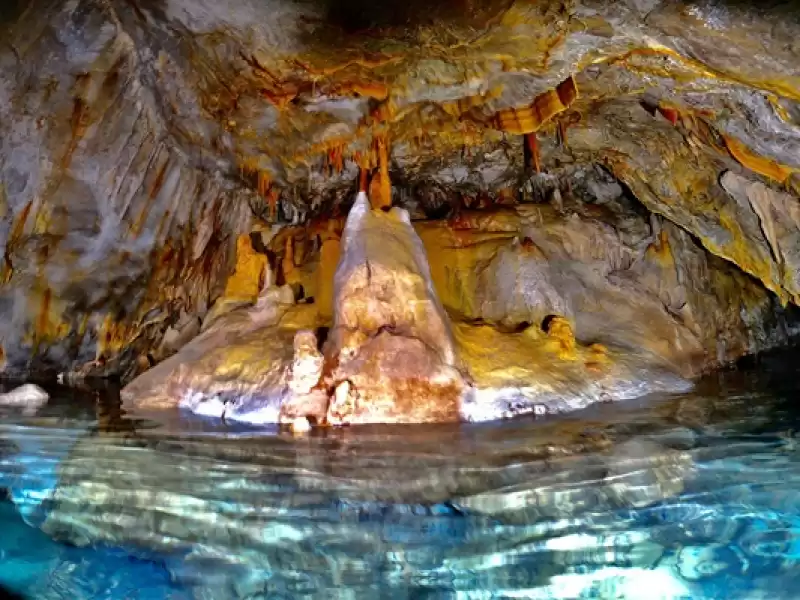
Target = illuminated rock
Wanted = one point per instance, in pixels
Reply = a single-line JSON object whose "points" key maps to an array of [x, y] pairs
{"points": [[28, 397], [560, 337], [390, 345], [248, 277], [528, 372], [306, 363], [300, 426], [239, 365]]}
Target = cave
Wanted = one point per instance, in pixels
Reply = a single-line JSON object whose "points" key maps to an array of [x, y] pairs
{"points": [[321, 215], [169, 164]]}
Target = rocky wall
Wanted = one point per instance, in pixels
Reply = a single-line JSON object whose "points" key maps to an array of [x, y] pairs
{"points": [[110, 232]]}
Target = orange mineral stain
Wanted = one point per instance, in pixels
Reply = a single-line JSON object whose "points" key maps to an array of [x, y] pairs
{"points": [[381, 194], [533, 148], [763, 166], [530, 118]]}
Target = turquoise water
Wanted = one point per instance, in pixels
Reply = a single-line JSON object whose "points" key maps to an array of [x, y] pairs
{"points": [[692, 496]]}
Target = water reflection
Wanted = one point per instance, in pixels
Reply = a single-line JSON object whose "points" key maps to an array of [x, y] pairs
{"points": [[693, 496]]}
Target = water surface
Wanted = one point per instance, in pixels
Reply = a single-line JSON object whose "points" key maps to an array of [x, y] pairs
{"points": [[691, 496]]}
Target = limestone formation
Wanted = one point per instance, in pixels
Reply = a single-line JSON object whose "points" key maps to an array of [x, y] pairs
{"points": [[28, 397], [779, 218], [306, 363], [560, 337], [390, 346], [239, 364]]}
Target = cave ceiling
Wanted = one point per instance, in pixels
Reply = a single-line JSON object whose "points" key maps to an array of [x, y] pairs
{"points": [[281, 89], [296, 93], [471, 96]]}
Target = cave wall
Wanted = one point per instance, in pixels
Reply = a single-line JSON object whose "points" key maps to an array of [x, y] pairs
{"points": [[110, 231], [640, 286]]}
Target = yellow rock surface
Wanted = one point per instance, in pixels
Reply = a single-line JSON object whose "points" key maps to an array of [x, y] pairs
{"points": [[561, 338], [238, 357], [248, 277], [329, 258], [456, 259], [534, 365]]}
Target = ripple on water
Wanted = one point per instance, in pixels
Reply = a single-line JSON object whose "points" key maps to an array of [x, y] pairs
{"points": [[693, 496]]}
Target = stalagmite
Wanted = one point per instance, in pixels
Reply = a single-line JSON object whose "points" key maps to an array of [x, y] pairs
{"points": [[391, 349]]}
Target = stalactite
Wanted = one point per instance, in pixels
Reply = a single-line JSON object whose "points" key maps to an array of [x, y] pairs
{"points": [[562, 134], [335, 159], [380, 189], [263, 183], [669, 113], [532, 144], [531, 118], [273, 197]]}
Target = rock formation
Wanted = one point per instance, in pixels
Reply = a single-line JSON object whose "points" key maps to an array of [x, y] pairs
{"points": [[28, 397], [626, 172], [390, 347]]}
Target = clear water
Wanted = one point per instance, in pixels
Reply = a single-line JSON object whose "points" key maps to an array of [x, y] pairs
{"points": [[694, 496]]}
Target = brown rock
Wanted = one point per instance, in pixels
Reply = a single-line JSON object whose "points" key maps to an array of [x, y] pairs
{"points": [[395, 379], [306, 367], [391, 340]]}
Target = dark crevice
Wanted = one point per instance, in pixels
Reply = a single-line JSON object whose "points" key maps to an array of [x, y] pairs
{"points": [[322, 336], [547, 322]]}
